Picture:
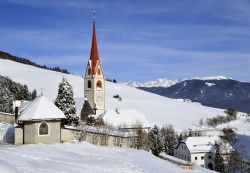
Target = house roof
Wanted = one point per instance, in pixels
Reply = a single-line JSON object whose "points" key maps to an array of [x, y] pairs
{"points": [[40, 109], [205, 144], [127, 118]]}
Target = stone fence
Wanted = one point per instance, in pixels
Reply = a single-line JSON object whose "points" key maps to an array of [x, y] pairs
{"points": [[99, 136], [7, 117]]}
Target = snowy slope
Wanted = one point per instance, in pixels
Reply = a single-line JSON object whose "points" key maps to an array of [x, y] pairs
{"points": [[82, 157], [157, 109]]}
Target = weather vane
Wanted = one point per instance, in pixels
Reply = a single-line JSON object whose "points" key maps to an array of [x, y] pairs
{"points": [[93, 14]]}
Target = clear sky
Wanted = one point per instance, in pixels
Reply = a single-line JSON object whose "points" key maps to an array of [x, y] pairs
{"points": [[137, 39]]}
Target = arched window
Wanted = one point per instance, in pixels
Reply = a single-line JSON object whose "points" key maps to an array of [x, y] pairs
{"points": [[99, 71], [99, 85], [89, 84], [89, 71], [43, 129]]}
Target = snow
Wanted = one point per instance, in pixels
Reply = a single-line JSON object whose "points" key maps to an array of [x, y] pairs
{"points": [[156, 109], [40, 108], [82, 157], [209, 84], [212, 78], [153, 83], [124, 117], [204, 144]]}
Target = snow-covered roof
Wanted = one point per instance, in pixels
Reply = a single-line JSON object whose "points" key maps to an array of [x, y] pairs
{"points": [[39, 109], [205, 144], [127, 118]]}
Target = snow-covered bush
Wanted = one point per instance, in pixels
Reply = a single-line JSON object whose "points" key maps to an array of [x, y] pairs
{"points": [[155, 144]]}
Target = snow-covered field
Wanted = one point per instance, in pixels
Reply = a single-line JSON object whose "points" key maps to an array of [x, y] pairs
{"points": [[82, 157], [157, 109]]}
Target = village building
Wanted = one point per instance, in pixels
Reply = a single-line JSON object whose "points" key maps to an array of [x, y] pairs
{"points": [[201, 150], [39, 121]]}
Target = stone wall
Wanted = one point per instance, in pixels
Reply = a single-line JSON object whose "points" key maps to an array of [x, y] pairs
{"points": [[18, 139], [97, 138], [6, 117]]}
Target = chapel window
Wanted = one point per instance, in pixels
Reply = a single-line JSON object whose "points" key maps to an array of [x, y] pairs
{"points": [[43, 129]]}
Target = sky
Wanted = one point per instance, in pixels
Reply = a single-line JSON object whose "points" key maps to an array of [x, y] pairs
{"points": [[137, 40]]}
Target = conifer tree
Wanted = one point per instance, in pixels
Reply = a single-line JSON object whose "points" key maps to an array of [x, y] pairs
{"points": [[168, 137], [6, 100], [218, 160], [65, 101], [33, 94], [155, 144]]}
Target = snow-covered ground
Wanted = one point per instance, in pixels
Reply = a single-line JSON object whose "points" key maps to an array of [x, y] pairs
{"points": [[157, 109], [82, 157]]}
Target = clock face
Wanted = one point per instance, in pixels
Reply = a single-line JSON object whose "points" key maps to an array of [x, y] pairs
{"points": [[99, 97]]}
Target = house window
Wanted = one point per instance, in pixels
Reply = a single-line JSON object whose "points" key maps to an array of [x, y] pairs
{"points": [[209, 157], [43, 129], [195, 158], [202, 166], [202, 157], [89, 84], [99, 85]]}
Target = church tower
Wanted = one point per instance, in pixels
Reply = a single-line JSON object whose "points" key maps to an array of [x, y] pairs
{"points": [[94, 83]]}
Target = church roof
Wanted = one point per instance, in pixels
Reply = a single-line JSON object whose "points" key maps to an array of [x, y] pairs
{"points": [[125, 118], [40, 109], [94, 57]]}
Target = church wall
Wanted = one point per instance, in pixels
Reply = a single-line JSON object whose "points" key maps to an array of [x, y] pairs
{"points": [[31, 132], [18, 139]]}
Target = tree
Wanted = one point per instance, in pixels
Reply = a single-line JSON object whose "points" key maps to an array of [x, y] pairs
{"points": [[33, 94], [6, 100], [168, 138], [65, 101], [218, 160], [155, 144], [231, 113], [228, 135]]}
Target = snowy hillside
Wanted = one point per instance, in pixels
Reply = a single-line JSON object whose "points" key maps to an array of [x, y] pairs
{"points": [[157, 109], [82, 157]]}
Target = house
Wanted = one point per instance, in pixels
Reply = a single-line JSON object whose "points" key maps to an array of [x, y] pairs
{"points": [[39, 121], [129, 119], [201, 150]]}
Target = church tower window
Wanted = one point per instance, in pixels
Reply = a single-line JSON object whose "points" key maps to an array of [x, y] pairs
{"points": [[89, 84], [99, 85], [99, 71]]}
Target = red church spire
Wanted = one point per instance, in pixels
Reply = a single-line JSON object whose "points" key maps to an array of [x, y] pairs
{"points": [[94, 57]]}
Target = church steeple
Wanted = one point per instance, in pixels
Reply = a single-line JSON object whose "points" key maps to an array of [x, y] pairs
{"points": [[94, 57]]}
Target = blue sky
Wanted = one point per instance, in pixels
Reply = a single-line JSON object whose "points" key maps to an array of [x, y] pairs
{"points": [[137, 40]]}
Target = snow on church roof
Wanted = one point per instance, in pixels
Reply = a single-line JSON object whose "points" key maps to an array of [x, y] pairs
{"points": [[127, 118], [40, 108]]}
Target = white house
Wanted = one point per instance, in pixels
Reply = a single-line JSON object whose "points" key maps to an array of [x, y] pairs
{"points": [[200, 150]]}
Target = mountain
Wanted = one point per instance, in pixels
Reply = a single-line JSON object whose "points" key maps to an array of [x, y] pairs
{"points": [[156, 109], [220, 92], [153, 83]]}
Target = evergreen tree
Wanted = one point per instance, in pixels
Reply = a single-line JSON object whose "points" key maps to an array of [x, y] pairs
{"points": [[6, 99], [33, 94], [65, 101], [155, 144], [218, 160], [168, 138]]}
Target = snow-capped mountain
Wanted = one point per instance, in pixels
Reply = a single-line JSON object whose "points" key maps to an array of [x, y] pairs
{"points": [[212, 78], [152, 83], [157, 109], [219, 92]]}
